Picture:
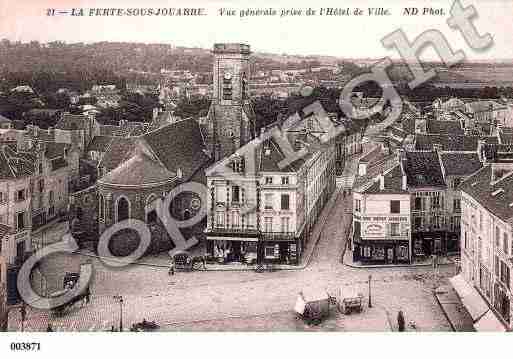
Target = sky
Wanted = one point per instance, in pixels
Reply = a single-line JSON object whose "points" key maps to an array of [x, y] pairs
{"points": [[341, 36]]}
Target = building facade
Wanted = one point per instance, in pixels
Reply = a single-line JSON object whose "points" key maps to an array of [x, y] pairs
{"points": [[261, 212], [487, 239]]}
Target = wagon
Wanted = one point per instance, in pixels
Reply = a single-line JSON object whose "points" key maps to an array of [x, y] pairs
{"points": [[313, 305], [349, 299], [185, 262]]}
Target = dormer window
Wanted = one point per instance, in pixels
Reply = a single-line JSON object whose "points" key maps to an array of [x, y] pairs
{"points": [[238, 164]]}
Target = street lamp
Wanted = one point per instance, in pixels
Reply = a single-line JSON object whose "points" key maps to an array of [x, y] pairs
{"points": [[119, 298], [370, 302], [23, 313]]}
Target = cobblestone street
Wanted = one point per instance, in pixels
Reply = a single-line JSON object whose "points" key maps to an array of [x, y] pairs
{"points": [[242, 300]]}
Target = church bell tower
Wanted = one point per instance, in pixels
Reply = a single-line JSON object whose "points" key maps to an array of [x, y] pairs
{"points": [[230, 117]]}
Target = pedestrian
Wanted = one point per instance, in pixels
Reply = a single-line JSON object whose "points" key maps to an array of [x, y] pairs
{"points": [[400, 321], [49, 328], [88, 295], [172, 267]]}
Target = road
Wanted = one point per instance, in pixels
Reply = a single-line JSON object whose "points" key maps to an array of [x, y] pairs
{"points": [[244, 300]]}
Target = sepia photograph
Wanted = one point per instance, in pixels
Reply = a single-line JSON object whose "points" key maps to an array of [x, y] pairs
{"points": [[263, 168]]}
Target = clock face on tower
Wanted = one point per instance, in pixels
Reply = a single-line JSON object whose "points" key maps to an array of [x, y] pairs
{"points": [[227, 75]]}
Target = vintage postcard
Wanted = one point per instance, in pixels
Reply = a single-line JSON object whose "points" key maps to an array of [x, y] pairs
{"points": [[236, 166]]}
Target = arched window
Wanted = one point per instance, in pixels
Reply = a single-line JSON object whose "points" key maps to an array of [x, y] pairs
{"points": [[101, 207], [123, 209], [151, 215]]}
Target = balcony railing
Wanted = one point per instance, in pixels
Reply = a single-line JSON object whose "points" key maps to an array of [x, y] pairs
{"points": [[278, 236], [231, 230]]}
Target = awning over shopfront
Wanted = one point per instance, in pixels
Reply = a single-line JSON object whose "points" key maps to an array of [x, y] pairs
{"points": [[469, 296], [489, 323], [242, 239]]}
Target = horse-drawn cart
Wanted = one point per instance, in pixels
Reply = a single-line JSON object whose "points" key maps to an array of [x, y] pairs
{"points": [[349, 299], [313, 305]]}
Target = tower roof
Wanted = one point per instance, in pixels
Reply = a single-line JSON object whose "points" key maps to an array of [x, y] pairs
{"points": [[231, 48]]}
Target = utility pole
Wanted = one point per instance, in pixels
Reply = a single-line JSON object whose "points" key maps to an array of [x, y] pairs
{"points": [[119, 298], [370, 301], [23, 312]]}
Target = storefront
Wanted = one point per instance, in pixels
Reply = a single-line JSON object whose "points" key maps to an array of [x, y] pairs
{"points": [[251, 250], [232, 249], [383, 251], [428, 243]]}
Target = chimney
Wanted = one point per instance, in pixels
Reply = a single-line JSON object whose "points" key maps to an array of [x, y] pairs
{"points": [[381, 182]]}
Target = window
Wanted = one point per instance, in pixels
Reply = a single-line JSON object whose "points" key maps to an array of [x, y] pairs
{"points": [[268, 224], [497, 237], [456, 205], [20, 195], [456, 182], [497, 267], [20, 221], [435, 202], [236, 194], [504, 274], [101, 207], [3, 198], [269, 252], [268, 201], [358, 205], [268, 180], [394, 229], [480, 220], [505, 243], [285, 224], [418, 203], [418, 222], [51, 197], [227, 87], [395, 206], [40, 168], [284, 180], [285, 205], [235, 220], [41, 185], [220, 218]]}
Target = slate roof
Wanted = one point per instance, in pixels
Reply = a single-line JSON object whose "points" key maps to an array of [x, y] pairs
{"points": [[480, 187], [119, 150], [506, 135], [4, 119], [483, 105], [55, 149], [14, 165], [392, 183], [138, 170], [72, 122], [4, 229], [444, 127], [448, 142], [423, 169], [179, 145], [374, 169], [99, 143], [108, 130], [460, 164], [59, 163]]}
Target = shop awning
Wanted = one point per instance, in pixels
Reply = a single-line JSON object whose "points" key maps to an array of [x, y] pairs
{"points": [[489, 323], [241, 239], [469, 296]]}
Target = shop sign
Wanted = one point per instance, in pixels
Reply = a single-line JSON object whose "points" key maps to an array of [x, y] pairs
{"points": [[374, 229]]}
